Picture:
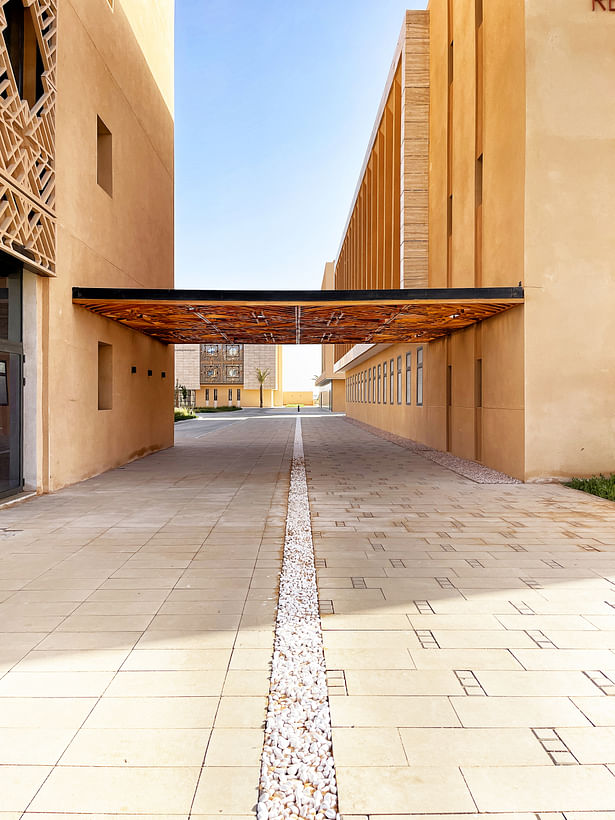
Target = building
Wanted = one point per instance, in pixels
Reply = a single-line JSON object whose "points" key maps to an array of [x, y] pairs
{"points": [[225, 375], [331, 384], [86, 168], [490, 165]]}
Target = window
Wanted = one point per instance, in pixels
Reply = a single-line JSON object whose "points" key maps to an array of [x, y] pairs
{"points": [[479, 383], [399, 380], [379, 377], [374, 384], [230, 396], [392, 381], [384, 383], [369, 385], [212, 372], [211, 350], [24, 53], [105, 376], [215, 394], [419, 376], [408, 378], [207, 394], [232, 372], [238, 395], [232, 351], [104, 157]]}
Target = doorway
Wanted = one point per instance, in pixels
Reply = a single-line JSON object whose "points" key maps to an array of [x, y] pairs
{"points": [[11, 378]]}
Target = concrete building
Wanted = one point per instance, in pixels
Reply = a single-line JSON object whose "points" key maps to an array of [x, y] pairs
{"points": [[86, 169], [490, 164]]}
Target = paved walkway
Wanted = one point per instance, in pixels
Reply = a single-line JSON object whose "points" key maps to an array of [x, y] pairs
{"points": [[470, 652]]}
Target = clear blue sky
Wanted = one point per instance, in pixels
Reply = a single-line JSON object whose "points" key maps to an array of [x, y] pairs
{"points": [[275, 103]]}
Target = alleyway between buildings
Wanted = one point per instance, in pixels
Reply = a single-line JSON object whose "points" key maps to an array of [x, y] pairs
{"points": [[469, 632]]}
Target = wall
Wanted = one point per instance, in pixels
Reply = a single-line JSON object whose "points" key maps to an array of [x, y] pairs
{"points": [[188, 366], [570, 247], [305, 397], [123, 240]]}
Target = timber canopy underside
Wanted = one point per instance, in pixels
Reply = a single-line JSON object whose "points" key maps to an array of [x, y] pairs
{"points": [[298, 317]]}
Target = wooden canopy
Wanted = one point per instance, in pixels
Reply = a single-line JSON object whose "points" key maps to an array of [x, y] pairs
{"points": [[297, 317]]}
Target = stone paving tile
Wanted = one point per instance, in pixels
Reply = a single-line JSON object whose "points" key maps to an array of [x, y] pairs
{"points": [[507, 586], [130, 603]]}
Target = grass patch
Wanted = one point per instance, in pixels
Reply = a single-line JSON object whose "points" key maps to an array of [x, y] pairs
{"points": [[216, 409], [182, 413], [601, 485]]}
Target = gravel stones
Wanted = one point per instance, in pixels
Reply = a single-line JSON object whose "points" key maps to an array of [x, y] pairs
{"points": [[297, 768]]}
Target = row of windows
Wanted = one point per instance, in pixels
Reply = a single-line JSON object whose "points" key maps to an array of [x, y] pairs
{"points": [[232, 351], [215, 394], [384, 383], [232, 372]]}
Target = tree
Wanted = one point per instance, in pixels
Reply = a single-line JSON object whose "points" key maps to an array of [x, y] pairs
{"points": [[261, 378]]}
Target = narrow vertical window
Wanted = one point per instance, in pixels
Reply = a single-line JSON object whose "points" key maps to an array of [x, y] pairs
{"points": [[379, 381], [399, 380], [409, 378], [215, 394], [392, 381], [238, 394], [374, 384], [478, 243], [384, 383], [104, 157], [419, 376], [207, 394], [369, 385], [230, 396], [105, 376], [479, 383]]}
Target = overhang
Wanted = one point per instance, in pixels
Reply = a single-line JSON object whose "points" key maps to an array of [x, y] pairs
{"points": [[297, 316]]}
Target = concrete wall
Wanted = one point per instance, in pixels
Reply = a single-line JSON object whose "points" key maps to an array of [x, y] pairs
{"points": [[305, 397], [188, 366], [570, 241], [262, 357], [123, 240]]}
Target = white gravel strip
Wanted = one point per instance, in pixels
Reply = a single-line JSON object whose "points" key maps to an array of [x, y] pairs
{"points": [[297, 769]]}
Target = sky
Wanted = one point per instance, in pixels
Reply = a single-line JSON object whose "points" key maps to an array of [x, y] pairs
{"points": [[275, 103]]}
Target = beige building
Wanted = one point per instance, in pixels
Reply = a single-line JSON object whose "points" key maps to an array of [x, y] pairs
{"points": [[86, 168], [490, 165], [224, 375]]}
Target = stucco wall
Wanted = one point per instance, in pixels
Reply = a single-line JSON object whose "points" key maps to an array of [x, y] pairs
{"points": [[570, 248], [121, 240]]}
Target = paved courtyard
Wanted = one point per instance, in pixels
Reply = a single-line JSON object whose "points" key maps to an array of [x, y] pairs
{"points": [[469, 632]]}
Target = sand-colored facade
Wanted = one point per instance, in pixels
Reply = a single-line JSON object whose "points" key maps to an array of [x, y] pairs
{"points": [[96, 394], [239, 388], [518, 134]]}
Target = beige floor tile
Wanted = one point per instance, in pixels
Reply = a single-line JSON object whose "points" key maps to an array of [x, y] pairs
{"points": [[246, 659], [465, 659], [407, 790], [368, 747], [579, 659], [601, 711], [44, 713], [242, 682], [255, 639], [385, 658], [374, 711], [89, 640], [359, 621], [194, 622], [105, 623], [19, 784], [544, 622], [346, 639], [473, 747], [541, 788], [153, 713], [579, 639], [166, 684], [33, 746], [54, 684], [114, 790], [537, 683], [177, 659], [235, 747], [82, 660], [241, 712], [137, 747], [477, 712], [401, 682], [227, 790], [182, 639], [456, 622], [590, 745], [482, 639]]}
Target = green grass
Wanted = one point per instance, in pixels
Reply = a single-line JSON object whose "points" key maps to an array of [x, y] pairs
{"points": [[216, 409], [603, 486], [182, 413]]}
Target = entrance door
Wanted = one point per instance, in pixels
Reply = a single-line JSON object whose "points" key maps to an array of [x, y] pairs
{"points": [[11, 380]]}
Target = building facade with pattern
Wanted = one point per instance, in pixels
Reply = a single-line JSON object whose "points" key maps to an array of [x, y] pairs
{"points": [[491, 165], [86, 169]]}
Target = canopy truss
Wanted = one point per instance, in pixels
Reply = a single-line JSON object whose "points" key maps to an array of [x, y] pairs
{"points": [[298, 316]]}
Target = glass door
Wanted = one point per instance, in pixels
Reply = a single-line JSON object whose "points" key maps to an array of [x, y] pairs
{"points": [[11, 379]]}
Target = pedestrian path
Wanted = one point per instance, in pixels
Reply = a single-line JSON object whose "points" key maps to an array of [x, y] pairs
{"points": [[469, 633]]}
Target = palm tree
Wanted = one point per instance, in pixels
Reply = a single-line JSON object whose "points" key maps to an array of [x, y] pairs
{"points": [[261, 378]]}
